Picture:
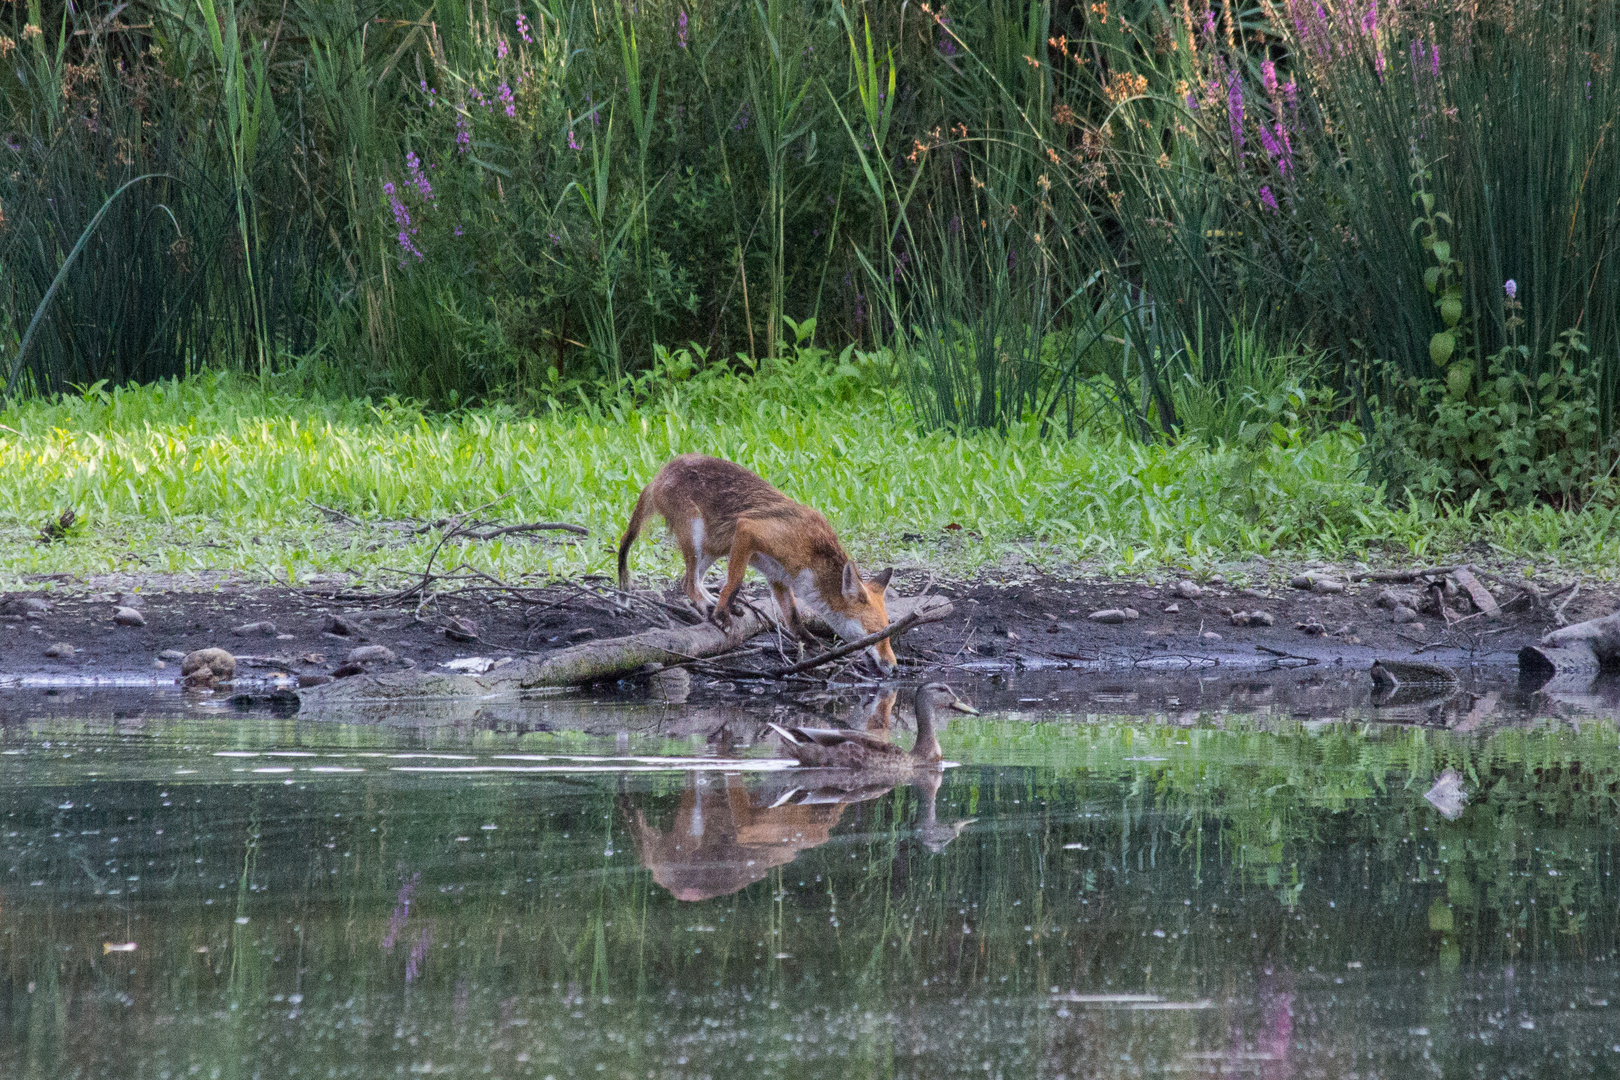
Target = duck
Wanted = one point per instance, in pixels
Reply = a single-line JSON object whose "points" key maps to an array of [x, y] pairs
{"points": [[843, 748]]}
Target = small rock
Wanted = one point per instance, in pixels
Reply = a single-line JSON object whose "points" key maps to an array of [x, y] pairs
{"points": [[255, 629], [344, 671], [581, 634], [201, 679], [286, 637], [314, 680], [1109, 616], [315, 658], [1187, 589], [341, 627], [1012, 635], [171, 654], [32, 605], [219, 663], [1404, 615], [128, 616], [61, 650], [1216, 579], [1252, 618], [459, 629], [34, 616], [1210, 635], [1172, 609], [371, 654], [159, 664], [1327, 585], [469, 665], [406, 662], [1130, 613], [1312, 628], [1397, 598]]}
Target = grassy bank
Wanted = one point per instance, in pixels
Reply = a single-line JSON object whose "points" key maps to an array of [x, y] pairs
{"points": [[224, 473]]}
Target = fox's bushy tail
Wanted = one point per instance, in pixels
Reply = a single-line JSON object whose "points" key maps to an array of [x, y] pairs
{"points": [[638, 517]]}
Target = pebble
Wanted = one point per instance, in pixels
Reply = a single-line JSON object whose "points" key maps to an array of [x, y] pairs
{"points": [[159, 664], [1327, 585], [343, 671], [255, 629], [171, 654], [1210, 635], [1404, 615], [128, 616], [372, 654], [1252, 618], [314, 680], [60, 649], [1187, 589], [1397, 598], [1172, 609], [581, 634], [217, 662], [459, 629], [1109, 616], [341, 627]]}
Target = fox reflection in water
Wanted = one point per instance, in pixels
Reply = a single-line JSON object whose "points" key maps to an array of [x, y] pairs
{"points": [[726, 834]]}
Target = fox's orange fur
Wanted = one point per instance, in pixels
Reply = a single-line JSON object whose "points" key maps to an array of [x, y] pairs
{"points": [[716, 509]]}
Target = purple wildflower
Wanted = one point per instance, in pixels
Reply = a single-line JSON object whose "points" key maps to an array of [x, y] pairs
{"points": [[413, 166], [501, 48], [463, 136], [1268, 77], [1291, 94], [1267, 199], [504, 92], [680, 30], [1269, 143], [743, 119], [1511, 287], [413, 963], [1369, 21], [523, 28], [456, 231], [573, 144], [1434, 61], [1209, 24], [1286, 158]]}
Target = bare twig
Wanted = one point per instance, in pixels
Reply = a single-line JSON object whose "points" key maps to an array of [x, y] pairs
{"points": [[332, 511], [1558, 615], [854, 646]]}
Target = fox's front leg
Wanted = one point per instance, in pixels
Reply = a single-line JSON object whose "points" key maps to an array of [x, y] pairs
{"points": [[743, 546]]}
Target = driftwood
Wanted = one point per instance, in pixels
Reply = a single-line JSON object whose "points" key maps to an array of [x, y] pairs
{"points": [[1584, 648], [589, 662]]}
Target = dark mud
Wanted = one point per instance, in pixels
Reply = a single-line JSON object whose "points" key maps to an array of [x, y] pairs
{"points": [[1032, 623]]}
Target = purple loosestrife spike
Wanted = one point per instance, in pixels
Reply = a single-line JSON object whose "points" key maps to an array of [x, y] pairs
{"points": [[1511, 287], [1434, 61], [1268, 77], [572, 143], [1369, 21], [501, 48], [680, 30], [523, 28], [1268, 200]]}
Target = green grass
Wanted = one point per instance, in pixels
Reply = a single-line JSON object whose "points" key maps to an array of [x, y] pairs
{"points": [[218, 473]]}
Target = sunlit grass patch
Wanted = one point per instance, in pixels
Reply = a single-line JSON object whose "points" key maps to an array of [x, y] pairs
{"points": [[216, 473]]}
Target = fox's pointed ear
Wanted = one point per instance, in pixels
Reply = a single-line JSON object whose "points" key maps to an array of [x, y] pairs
{"points": [[852, 582], [880, 581]]}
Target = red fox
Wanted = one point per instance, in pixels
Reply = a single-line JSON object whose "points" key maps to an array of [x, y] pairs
{"points": [[716, 509]]}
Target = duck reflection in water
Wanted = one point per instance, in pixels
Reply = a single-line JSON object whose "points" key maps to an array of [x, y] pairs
{"points": [[727, 834]]}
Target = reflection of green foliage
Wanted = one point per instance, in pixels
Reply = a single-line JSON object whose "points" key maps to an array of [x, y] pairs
{"points": [[1092, 841]]}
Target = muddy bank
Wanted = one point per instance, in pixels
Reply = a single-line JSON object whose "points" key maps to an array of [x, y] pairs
{"points": [[65, 630]]}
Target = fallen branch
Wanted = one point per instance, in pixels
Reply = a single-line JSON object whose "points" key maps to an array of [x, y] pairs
{"points": [[922, 613]]}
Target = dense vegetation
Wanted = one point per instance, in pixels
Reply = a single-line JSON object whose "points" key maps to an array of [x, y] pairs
{"points": [[1169, 218]]}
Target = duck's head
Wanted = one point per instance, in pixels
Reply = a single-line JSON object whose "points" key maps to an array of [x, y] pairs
{"points": [[937, 695]]}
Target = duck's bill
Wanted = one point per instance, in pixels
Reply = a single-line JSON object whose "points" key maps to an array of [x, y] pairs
{"points": [[961, 706]]}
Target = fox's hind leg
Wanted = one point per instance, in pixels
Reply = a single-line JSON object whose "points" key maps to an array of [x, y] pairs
{"points": [[689, 537]]}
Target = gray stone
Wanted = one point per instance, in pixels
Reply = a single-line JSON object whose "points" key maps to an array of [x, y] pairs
{"points": [[255, 629], [217, 662], [128, 616], [372, 654], [1109, 616], [1187, 589], [61, 650]]}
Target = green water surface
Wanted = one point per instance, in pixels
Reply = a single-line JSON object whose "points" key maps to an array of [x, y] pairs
{"points": [[234, 897]]}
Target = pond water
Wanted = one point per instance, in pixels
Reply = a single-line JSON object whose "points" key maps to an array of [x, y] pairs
{"points": [[1097, 889]]}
